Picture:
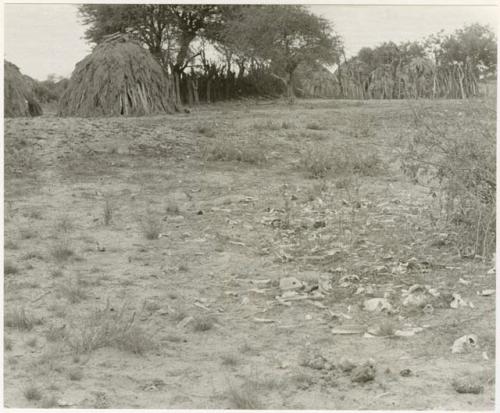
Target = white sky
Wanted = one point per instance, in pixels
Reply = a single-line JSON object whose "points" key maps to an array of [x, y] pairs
{"points": [[48, 38]]}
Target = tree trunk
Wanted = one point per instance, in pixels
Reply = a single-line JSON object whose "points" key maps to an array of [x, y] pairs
{"points": [[290, 91]]}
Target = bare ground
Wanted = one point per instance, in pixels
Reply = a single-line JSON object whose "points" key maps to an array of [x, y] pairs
{"points": [[225, 225]]}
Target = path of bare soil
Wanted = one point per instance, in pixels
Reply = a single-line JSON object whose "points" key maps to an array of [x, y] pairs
{"points": [[98, 315]]}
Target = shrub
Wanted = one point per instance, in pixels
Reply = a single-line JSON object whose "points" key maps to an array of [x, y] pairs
{"points": [[455, 157]]}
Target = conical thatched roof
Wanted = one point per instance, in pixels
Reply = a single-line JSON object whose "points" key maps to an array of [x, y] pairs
{"points": [[120, 77], [18, 96]]}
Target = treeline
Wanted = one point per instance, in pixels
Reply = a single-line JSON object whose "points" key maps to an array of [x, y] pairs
{"points": [[441, 66], [221, 52]]}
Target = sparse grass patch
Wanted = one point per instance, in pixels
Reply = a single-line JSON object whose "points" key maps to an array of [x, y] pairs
{"points": [[172, 338], [151, 224], [316, 161], [7, 344], [27, 233], [107, 212], [32, 255], [49, 402], [56, 273], [206, 130], [235, 149], [268, 124], [172, 208], [303, 381], [315, 126], [61, 251], [32, 393], [75, 374], [55, 333], [9, 268], [319, 161], [73, 291], [203, 324], [64, 224], [105, 328], [34, 214], [10, 245], [246, 397], [20, 319], [32, 342], [230, 360]]}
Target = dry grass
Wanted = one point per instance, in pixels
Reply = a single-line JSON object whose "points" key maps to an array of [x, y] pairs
{"points": [[49, 402], [75, 374], [55, 333], [7, 344], [230, 360], [233, 149], [32, 393], [151, 225], [203, 324], [246, 397], [61, 251], [9, 268], [108, 209], [20, 319], [73, 291], [206, 130], [105, 328]]}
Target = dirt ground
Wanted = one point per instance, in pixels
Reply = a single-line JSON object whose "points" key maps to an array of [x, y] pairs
{"points": [[99, 316]]}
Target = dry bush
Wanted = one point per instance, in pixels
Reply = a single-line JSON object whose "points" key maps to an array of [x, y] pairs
{"points": [[107, 328], [456, 157], [235, 149]]}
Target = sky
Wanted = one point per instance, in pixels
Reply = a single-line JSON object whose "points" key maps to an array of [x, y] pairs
{"points": [[43, 39]]}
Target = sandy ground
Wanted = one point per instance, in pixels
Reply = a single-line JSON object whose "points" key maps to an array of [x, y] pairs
{"points": [[190, 319]]}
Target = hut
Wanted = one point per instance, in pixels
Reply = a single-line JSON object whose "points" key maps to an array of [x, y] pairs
{"points": [[19, 100], [119, 77]]}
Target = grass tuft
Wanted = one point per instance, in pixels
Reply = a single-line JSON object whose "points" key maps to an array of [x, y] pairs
{"points": [[9, 268], [20, 320], [246, 397], [151, 225], [32, 393]]}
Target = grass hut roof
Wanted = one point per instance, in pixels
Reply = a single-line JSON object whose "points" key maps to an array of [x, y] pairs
{"points": [[19, 99], [119, 77]]}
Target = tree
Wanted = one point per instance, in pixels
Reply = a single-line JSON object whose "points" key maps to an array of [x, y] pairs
{"points": [[282, 37]]}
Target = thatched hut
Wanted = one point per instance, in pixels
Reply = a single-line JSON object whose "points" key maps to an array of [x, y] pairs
{"points": [[119, 77], [19, 99]]}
